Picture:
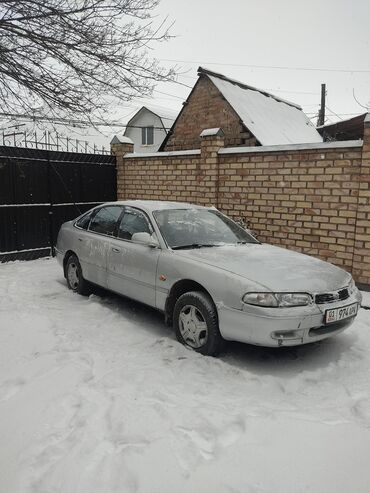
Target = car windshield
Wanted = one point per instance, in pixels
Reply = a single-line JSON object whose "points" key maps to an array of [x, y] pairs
{"points": [[196, 228]]}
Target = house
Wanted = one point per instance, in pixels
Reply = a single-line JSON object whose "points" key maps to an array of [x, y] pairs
{"points": [[350, 129], [247, 115], [148, 127]]}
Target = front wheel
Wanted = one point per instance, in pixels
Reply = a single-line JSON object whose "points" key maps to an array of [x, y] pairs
{"points": [[74, 277], [196, 323]]}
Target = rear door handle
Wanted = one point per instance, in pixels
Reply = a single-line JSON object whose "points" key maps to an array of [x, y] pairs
{"points": [[80, 239], [115, 249]]}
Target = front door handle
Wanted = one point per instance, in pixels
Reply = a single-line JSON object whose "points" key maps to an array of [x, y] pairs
{"points": [[115, 250]]}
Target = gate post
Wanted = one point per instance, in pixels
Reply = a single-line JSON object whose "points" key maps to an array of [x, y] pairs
{"points": [[212, 140], [121, 145], [50, 213], [361, 257]]}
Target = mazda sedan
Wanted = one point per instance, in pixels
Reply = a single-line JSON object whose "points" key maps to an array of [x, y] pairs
{"points": [[212, 279]]}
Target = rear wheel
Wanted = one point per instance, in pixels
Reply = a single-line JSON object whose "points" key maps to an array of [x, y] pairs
{"points": [[196, 323], [74, 277]]}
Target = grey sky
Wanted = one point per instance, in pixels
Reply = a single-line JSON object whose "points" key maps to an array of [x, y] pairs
{"points": [[222, 36], [323, 34]]}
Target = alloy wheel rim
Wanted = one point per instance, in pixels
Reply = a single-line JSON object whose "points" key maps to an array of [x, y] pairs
{"points": [[193, 327], [73, 278]]}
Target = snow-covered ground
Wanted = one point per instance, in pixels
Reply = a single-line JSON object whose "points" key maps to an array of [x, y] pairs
{"points": [[97, 396]]}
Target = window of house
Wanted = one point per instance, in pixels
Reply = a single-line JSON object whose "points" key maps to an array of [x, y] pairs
{"points": [[147, 136], [105, 220]]}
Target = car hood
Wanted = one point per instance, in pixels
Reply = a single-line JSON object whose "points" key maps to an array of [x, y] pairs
{"points": [[277, 269]]}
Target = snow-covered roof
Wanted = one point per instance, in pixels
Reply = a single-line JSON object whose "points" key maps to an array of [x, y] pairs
{"points": [[167, 116], [163, 113], [272, 120]]}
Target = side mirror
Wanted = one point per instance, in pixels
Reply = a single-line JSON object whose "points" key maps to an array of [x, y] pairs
{"points": [[145, 239]]}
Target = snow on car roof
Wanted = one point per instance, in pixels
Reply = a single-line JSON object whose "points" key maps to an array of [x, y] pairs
{"points": [[272, 120], [155, 205]]}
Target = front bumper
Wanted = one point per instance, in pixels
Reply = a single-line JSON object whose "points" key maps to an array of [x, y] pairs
{"points": [[274, 327]]}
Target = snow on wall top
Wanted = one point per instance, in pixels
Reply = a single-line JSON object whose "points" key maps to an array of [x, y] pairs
{"points": [[210, 132], [271, 120], [121, 139]]}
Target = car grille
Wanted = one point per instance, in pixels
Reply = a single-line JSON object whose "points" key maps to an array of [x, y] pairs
{"points": [[340, 295], [328, 329]]}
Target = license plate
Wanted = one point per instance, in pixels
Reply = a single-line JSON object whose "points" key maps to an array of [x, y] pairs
{"points": [[337, 314]]}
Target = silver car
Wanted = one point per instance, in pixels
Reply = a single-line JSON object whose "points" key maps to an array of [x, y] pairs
{"points": [[210, 277]]}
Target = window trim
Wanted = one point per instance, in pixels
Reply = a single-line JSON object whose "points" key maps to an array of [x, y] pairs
{"points": [[93, 214], [144, 133], [121, 217], [117, 220], [115, 235]]}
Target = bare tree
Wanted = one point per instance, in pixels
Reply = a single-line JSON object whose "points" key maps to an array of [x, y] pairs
{"points": [[77, 57]]}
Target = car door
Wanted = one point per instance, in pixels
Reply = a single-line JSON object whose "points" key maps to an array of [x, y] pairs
{"points": [[94, 243], [132, 267]]}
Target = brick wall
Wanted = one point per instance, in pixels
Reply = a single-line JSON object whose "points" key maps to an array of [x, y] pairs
{"points": [[313, 199], [304, 200], [207, 108], [361, 264]]}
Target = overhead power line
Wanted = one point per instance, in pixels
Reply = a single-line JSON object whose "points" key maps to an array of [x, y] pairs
{"points": [[337, 114], [280, 90], [71, 122], [167, 94], [272, 67], [271, 90], [333, 112]]}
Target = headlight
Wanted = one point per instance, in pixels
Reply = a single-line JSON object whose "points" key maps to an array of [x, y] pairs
{"points": [[278, 299], [352, 287]]}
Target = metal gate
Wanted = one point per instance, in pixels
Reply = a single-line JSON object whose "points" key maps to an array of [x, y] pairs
{"points": [[40, 189]]}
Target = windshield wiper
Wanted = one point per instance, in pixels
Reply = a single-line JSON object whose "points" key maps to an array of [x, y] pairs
{"points": [[194, 245]]}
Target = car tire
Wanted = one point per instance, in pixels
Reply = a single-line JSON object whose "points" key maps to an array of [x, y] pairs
{"points": [[196, 323], [75, 280]]}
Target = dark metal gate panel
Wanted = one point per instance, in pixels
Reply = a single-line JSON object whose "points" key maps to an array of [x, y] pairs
{"points": [[39, 190], [97, 183], [6, 182], [8, 230], [32, 227]]}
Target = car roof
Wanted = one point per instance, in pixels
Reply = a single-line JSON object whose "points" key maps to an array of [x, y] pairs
{"points": [[155, 205]]}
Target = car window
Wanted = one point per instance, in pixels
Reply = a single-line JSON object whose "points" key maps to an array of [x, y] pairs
{"points": [[133, 221], [84, 221], [188, 227], [105, 220]]}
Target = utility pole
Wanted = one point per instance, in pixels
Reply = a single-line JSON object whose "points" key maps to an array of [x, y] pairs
{"points": [[321, 117]]}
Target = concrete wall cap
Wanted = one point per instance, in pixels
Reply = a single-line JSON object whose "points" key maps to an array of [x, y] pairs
{"points": [[367, 118], [121, 139], [212, 132], [293, 147]]}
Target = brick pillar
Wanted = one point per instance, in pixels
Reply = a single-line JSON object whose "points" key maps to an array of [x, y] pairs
{"points": [[121, 145], [361, 258], [212, 140]]}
